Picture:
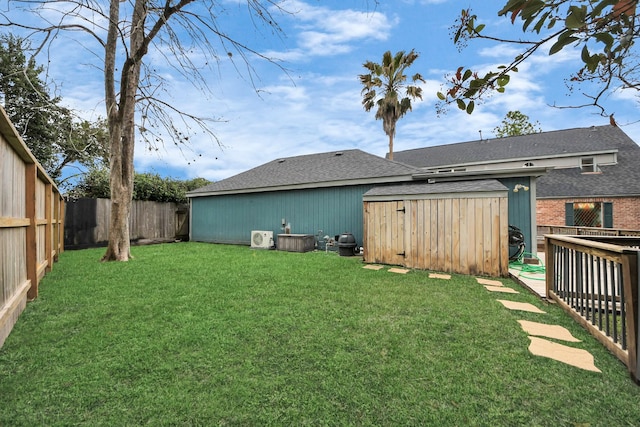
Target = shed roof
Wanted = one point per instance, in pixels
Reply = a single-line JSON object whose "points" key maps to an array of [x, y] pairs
{"points": [[536, 145], [348, 167], [424, 188]]}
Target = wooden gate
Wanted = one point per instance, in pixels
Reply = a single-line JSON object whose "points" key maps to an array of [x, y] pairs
{"points": [[467, 235]]}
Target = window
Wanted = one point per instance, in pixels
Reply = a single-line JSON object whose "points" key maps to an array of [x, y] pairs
{"points": [[588, 165], [589, 214]]}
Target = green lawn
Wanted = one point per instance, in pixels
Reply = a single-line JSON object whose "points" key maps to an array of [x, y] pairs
{"points": [[201, 334]]}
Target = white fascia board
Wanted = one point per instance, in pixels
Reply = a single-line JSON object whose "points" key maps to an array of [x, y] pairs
{"points": [[577, 155], [483, 174]]}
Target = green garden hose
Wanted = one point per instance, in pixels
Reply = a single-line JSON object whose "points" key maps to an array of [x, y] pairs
{"points": [[525, 269]]}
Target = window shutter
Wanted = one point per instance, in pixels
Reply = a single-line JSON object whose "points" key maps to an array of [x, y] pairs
{"points": [[568, 214], [607, 215]]}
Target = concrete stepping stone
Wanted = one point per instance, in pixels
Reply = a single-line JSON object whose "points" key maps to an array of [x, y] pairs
{"points": [[522, 306], [439, 276], [548, 331], [489, 282], [398, 270], [373, 267], [571, 356], [502, 289]]}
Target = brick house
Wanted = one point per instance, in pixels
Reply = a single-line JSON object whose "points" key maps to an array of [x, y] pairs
{"points": [[591, 194]]}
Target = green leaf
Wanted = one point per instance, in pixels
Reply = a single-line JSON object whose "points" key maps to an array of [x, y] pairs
{"points": [[532, 7], [461, 104], [597, 10], [585, 54], [503, 80], [480, 28], [441, 96], [470, 92], [541, 22], [457, 36], [500, 90], [576, 17], [466, 75], [470, 107], [605, 38], [510, 6], [562, 42]]}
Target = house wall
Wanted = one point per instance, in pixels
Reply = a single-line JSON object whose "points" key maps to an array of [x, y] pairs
{"points": [[231, 218], [521, 208], [626, 210]]}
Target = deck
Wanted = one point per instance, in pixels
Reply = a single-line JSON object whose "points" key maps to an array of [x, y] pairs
{"points": [[531, 276]]}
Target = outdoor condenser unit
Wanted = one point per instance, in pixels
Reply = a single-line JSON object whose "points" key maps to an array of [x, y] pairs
{"points": [[261, 239]]}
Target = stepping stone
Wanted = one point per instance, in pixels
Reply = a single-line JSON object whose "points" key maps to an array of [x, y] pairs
{"points": [[489, 282], [398, 270], [439, 276], [522, 306], [571, 356], [373, 267], [502, 289], [548, 331]]}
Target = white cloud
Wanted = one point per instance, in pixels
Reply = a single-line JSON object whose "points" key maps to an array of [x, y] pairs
{"points": [[326, 32]]}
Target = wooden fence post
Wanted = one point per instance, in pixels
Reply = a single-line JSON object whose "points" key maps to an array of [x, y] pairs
{"points": [[550, 267], [631, 281], [48, 234], [31, 176]]}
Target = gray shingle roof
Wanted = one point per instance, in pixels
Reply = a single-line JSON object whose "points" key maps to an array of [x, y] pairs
{"points": [[487, 185], [313, 169], [622, 179], [555, 143]]}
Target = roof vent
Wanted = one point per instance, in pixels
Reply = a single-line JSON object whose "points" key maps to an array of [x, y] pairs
{"points": [[338, 153], [281, 160]]}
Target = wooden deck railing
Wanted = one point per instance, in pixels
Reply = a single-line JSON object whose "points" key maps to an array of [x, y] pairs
{"points": [[584, 231], [596, 280]]}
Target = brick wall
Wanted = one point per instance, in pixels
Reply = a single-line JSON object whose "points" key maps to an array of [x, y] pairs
{"points": [[626, 211]]}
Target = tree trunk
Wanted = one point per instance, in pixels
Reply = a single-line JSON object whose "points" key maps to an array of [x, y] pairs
{"points": [[391, 146], [121, 119]]}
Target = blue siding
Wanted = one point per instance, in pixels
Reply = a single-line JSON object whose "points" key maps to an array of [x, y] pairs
{"points": [[520, 207], [230, 218]]}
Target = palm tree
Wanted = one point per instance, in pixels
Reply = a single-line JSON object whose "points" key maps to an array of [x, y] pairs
{"points": [[389, 77]]}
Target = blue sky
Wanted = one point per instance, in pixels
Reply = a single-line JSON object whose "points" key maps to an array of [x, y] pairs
{"points": [[316, 106]]}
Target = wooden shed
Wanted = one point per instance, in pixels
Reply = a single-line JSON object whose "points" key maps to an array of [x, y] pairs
{"points": [[458, 227]]}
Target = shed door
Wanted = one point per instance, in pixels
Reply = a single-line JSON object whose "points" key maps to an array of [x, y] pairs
{"points": [[384, 234]]}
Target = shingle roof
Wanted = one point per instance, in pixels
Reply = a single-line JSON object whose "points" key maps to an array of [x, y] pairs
{"points": [[486, 185], [313, 169], [555, 143], [621, 179]]}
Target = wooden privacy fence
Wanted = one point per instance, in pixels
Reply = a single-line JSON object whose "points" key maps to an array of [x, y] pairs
{"points": [[87, 222], [31, 226], [596, 280]]}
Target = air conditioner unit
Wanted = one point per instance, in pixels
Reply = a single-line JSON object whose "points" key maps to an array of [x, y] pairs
{"points": [[261, 239]]}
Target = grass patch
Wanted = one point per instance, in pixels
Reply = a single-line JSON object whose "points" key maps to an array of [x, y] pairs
{"points": [[201, 334]]}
